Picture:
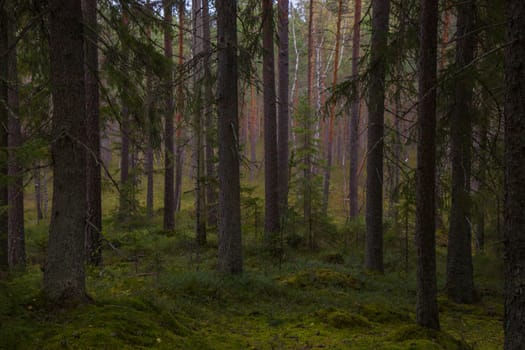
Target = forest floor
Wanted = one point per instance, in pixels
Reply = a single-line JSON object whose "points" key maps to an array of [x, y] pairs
{"points": [[158, 291]]}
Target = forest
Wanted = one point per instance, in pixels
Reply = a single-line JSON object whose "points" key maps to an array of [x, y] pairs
{"points": [[260, 174]]}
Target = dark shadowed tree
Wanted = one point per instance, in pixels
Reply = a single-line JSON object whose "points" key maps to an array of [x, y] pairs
{"points": [[198, 123], [64, 275], [16, 239], [427, 314], [169, 159], [3, 134], [125, 129], [211, 187], [271, 175], [460, 280], [376, 120], [514, 321], [179, 151], [282, 139], [93, 189], [354, 118], [230, 242]]}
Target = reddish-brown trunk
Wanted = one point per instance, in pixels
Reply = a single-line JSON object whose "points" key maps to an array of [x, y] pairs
{"points": [[169, 159], [271, 189], [354, 119]]}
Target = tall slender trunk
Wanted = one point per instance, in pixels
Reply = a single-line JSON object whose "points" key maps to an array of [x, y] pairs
{"points": [[427, 314], [329, 147], [169, 166], [3, 135], [354, 119], [514, 320], [93, 189], [253, 132], [307, 172], [198, 124], [282, 140], [64, 275], [125, 186], [211, 187], [271, 174], [460, 279], [230, 239], [16, 238], [179, 152], [376, 120], [148, 156]]}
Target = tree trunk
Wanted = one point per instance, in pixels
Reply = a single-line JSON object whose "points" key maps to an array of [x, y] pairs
{"points": [[16, 239], [514, 320], [198, 124], [64, 276], [211, 187], [169, 166], [354, 119], [271, 174], [460, 280], [149, 156], [376, 120], [230, 240], [125, 186], [427, 314], [307, 172], [3, 136], [179, 151], [253, 132], [282, 140], [329, 148], [93, 189]]}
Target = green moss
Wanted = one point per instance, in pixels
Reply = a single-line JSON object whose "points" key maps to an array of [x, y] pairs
{"points": [[412, 333], [344, 320], [321, 278], [383, 313]]}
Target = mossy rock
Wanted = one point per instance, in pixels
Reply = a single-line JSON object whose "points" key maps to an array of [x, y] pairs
{"points": [[342, 319], [321, 278], [383, 313], [424, 338]]}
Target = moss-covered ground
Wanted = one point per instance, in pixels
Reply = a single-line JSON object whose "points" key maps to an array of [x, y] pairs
{"points": [[159, 291]]}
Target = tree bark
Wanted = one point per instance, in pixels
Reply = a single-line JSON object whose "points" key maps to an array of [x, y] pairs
{"points": [[179, 151], [282, 140], [514, 239], [329, 148], [16, 238], [354, 119], [64, 276], [271, 174], [125, 185], [307, 172], [427, 314], [198, 123], [376, 120], [211, 187], [93, 189], [460, 280], [169, 165], [230, 240], [3, 136]]}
